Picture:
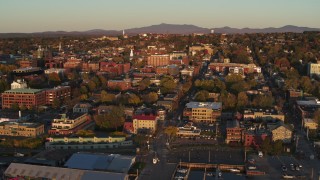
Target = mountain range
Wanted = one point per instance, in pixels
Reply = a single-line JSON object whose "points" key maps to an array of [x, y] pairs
{"points": [[165, 29]]}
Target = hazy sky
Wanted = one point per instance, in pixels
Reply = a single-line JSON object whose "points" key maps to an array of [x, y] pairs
{"points": [[69, 15]]}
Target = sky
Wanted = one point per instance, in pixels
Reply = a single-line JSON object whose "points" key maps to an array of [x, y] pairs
{"points": [[80, 15]]}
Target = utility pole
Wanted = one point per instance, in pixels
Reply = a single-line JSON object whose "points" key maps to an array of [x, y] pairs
{"points": [[189, 156], [209, 156], [297, 139]]}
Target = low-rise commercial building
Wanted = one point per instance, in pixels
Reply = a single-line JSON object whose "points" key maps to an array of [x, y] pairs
{"points": [[206, 112], [58, 93], [21, 129], [263, 114], [69, 123]]}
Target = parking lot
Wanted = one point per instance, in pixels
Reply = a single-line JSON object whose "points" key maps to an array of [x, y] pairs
{"points": [[276, 166]]}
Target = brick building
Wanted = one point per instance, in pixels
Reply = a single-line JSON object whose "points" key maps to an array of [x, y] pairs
{"points": [[158, 60], [60, 93], [114, 68], [254, 138], [121, 85], [23, 97], [73, 63], [235, 133]]}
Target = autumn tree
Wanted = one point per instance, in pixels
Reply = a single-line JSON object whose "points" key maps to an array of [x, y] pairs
{"points": [[306, 84], [171, 132], [54, 79], [167, 84], [144, 83], [106, 97], [113, 119], [263, 101], [150, 97], [242, 100]]}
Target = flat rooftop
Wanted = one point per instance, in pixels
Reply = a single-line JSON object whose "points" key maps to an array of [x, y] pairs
{"points": [[23, 91], [208, 105]]}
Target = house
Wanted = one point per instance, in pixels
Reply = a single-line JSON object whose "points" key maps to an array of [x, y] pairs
{"points": [[82, 108]]}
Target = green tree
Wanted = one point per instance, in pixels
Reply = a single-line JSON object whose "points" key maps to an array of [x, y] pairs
{"points": [[266, 146], [56, 103], [167, 84], [277, 147], [15, 106], [92, 86]]}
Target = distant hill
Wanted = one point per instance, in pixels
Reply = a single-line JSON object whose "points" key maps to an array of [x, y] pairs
{"points": [[164, 29]]}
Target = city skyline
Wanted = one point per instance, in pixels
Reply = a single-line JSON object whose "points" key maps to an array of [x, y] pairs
{"points": [[36, 16]]}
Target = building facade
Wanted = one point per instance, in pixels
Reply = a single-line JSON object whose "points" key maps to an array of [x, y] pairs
{"points": [[144, 123], [69, 123], [19, 84], [59, 93], [158, 60], [282, 133], [206, 112], [23, 97], [21, 129], [234, 132]]}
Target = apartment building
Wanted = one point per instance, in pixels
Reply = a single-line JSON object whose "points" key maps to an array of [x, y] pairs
{"points": [[60, 93]]}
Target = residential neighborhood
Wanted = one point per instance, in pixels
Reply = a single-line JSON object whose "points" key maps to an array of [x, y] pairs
{"points": [[211, 101]]}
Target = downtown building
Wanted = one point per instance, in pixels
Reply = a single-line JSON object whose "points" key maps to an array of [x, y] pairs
{"points": [[205, 112]]}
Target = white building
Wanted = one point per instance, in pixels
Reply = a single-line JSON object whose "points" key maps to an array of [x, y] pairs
{"points": [[19, 84], [59, 71], [314, 69]]}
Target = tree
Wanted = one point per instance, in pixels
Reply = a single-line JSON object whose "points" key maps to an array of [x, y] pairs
{"points": [[144, 83], [266, 146], [54, 79], [171, 132], [277, 147], [56, 103], [242, 100], [167, 84], [114, 118], [229, 100], [85, 133], [150, 97], [202, 96], [15, 106], [92, 86], [263, 101], [306, 84], [105, 97]]}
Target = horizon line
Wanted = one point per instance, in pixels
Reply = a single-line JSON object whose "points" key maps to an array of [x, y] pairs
{"points": [[68, 31]]}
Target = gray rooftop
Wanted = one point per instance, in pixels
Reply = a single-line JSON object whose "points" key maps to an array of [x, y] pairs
{"points": [[105, 162], [208, 105]]}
